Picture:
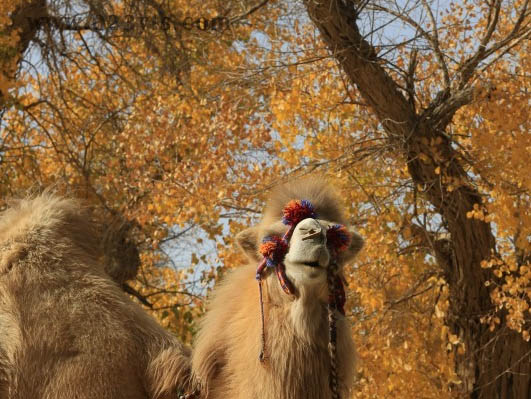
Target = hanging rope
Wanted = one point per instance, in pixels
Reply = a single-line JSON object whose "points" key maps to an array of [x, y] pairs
{"points": [[337, 239], [261, 357], [332, 331]]}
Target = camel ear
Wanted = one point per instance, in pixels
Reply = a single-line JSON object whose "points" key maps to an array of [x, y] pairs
{"points": [[356, 244], [247, 241]]}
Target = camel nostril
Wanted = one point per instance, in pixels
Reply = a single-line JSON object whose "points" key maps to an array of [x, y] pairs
{"points": [[314, 235]]}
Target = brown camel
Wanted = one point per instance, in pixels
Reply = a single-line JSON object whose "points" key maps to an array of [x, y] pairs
{"points": [[67, 331], [297, 358]]}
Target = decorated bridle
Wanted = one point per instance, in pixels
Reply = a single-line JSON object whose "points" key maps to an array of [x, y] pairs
{"points": [[274, 249]]}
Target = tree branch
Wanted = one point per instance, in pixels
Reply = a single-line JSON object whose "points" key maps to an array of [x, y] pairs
{"points": [[469, 66], [130, 290], [248, 12]]}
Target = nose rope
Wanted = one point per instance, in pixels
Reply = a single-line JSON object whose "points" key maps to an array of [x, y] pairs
{"points": [[332, 330], [274, 250]]}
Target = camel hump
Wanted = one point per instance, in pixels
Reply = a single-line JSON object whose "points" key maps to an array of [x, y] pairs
{"points": [[48, 220]]}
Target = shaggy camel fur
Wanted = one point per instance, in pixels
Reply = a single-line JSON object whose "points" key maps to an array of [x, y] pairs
{"points": [[225, 359], [66, 330]]}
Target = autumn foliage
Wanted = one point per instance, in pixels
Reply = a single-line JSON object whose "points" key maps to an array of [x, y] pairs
{"points": [[179, 131]]}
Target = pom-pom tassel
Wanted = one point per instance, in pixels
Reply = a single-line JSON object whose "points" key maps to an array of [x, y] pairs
{"points": [[296, 211], [338, 238], [273, 249]]}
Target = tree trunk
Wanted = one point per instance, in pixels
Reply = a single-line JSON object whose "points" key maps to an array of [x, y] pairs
{"points": [[495, 364]]}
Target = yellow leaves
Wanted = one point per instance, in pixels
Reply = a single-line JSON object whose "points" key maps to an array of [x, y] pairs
{"points": [[453, 339], [407, 233], [9, 54], [195, 259], [510, 293], [493, 321], [439, 313], [424, 158], [163, 150], [5, 82], [399, 348], [478, 213]]}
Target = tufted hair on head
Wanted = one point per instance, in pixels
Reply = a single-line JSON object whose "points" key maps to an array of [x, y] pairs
{"points": [[317, 190]]}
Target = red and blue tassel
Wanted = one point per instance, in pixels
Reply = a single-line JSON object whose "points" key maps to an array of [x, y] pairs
{"points": [[338, 237], [296, 211], [274, 249]]}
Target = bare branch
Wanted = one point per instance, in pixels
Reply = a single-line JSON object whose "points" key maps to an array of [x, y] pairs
{"points": [[519, 32], [178, 235], [435, 44], [248, 12], [410, 77], [130, 290], [432, 38]]}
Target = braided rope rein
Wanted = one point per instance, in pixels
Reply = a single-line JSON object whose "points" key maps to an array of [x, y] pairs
{"points": [[332, 331], [261, 357], [338, 239]]}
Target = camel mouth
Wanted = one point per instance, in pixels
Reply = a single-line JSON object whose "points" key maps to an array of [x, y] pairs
{"points": [[314, 264]]}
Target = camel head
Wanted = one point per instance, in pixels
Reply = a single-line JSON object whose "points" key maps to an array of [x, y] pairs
{"points": [[319, 240]]}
